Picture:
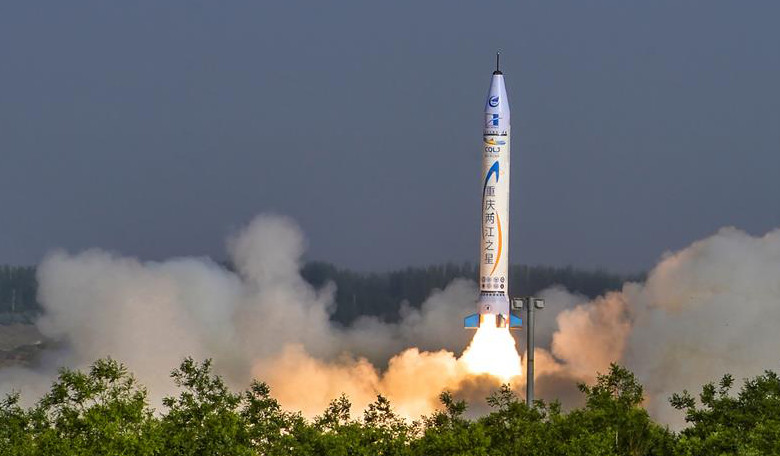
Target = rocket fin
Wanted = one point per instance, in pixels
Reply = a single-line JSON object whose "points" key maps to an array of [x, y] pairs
{"points": [[471, 322]]}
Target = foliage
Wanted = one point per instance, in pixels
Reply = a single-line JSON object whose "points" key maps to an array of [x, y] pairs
{"points": [[447, 432], [268, 428], [748, 424], [516, 428], [104, 411], [612, 413], [205, 417], [15, 435], [611, 423]]}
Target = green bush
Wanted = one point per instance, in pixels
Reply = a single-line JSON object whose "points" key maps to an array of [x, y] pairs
{"points": [[104, 411]]}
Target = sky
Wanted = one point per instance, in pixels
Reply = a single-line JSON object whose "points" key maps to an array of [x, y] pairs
{"points": [[157, 129]]}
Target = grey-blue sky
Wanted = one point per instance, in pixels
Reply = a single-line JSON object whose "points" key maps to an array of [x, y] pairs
{"points": [[156, 128]]}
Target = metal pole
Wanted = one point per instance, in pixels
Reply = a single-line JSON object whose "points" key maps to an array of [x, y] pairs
{"points": [[529, 360]]}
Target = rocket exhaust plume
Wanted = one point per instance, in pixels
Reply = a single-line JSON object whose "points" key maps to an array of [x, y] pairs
{"points": [[492, 351]]}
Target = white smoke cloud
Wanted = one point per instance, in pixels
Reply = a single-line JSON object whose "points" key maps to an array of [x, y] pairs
{"points": [[592, 335], [708, 309], [263, 320]]}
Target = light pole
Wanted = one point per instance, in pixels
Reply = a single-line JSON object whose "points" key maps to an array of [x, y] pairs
{"points": [[531, 304]]}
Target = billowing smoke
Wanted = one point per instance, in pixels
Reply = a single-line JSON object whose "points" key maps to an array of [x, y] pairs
{"points": [[708, 309], [262, 321]]}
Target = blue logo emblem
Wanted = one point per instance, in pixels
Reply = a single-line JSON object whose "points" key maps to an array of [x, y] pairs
{"points": [[492, 121], [493, 102]]}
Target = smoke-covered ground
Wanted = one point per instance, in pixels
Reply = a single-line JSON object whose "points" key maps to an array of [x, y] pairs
{"points": [[708, 309]]}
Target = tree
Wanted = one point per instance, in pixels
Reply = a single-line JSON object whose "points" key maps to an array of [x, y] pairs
{"points": [[104, 411], [385, 431], [447, 432], [339, 434], [15, 432], [204, 418], [747, 424], [515, 428], [268, 427], [612, 409]]}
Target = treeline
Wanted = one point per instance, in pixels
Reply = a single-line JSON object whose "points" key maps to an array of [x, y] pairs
{"points": [[378, 294], [382, 294], [106, 412], [18, 288]]}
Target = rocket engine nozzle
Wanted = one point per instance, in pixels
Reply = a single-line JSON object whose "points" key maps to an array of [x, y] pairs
{"points": [[475, 321], [493, 310]]}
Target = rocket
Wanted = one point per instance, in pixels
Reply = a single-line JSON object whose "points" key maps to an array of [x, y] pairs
{"points": [[493, 280]]}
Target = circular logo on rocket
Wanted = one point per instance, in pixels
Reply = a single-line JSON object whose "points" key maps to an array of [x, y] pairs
{"points": [[493, 102]]}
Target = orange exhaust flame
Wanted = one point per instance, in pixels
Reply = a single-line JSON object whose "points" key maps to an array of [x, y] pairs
{"points": [[492, 351]]}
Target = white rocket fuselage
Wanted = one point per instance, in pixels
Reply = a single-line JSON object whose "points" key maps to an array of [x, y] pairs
{"points": [[494, 236]]}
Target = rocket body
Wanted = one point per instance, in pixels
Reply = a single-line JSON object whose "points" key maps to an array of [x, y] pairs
{"points": [[494, 233]]}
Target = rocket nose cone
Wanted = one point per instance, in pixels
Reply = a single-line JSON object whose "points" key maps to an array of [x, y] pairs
{"points": [[497, 101]]}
